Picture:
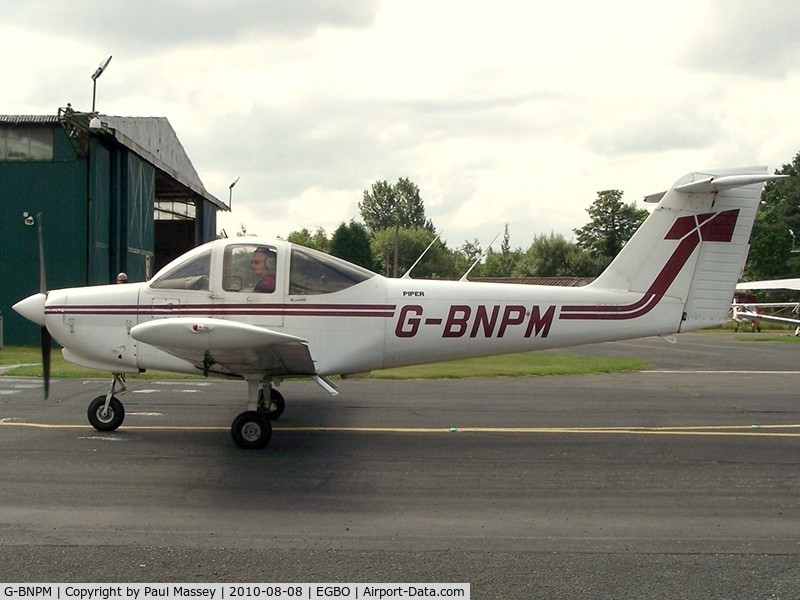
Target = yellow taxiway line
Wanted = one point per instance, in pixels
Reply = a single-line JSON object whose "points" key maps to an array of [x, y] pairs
{"points": [[706, 430]]}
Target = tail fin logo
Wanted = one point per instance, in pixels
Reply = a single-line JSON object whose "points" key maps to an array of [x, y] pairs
{"points": [[690, 230], [712, 227]]}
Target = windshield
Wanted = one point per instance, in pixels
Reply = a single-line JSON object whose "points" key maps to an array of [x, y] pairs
{"points": [[192, 274], [314, 272]]}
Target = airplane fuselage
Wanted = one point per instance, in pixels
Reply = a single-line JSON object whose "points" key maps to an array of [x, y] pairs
{"points": [[376, 324]]}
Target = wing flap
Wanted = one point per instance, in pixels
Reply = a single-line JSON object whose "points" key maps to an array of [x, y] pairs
{"points": [[228, 347]]}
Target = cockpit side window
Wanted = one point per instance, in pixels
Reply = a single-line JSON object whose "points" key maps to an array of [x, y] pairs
{"points": [[192, 274], [314, 272], [250, 268]]}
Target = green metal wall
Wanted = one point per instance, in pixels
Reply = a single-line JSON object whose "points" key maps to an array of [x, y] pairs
{"points": [[206, 219], [56, 190], [138, 225], [97, 217]]}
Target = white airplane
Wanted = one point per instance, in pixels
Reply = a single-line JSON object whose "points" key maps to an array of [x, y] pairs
{"points": [[752, 312], [321, 316]]}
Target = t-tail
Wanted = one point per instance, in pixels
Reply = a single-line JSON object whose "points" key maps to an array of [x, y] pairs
{"points": [[692, 249]]}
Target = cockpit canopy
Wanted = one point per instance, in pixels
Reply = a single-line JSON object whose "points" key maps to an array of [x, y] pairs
{"points": [[189, 274], [253, 267], [313, 272]]}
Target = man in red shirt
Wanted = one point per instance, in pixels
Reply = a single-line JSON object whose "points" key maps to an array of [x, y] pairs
{"points": [[263, 265]]}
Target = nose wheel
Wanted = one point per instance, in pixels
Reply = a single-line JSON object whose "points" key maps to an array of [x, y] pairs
{"points": [[106, 418], [106, 412]]}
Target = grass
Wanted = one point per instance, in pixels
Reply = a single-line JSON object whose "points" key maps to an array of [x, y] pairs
{"points": [[526, 364], [788, 337], [31, 360]]}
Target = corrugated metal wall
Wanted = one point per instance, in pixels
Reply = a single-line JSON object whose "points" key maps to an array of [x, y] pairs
{"points": [[101, 208], [139, 191], [57, 191], [97, 215]]}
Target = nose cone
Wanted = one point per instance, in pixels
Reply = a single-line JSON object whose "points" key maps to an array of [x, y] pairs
{"points": [[32, 308]]}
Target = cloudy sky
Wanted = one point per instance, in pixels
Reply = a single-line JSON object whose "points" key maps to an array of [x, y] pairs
{"points": [[501, 111]]}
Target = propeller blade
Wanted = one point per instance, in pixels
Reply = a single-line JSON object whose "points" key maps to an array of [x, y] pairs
{"points": [[47, 340], [46, 346], [42, 275]]}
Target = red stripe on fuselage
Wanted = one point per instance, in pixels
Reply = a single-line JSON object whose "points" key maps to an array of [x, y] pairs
{"points": [[314, 310]]}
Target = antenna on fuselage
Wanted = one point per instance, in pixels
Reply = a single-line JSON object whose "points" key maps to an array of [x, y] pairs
{"points": [[407, 274], [477, 260]]}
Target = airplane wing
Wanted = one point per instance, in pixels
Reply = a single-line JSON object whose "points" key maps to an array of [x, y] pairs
{"points": [[744, 314], [228, 347], [770, 284]]}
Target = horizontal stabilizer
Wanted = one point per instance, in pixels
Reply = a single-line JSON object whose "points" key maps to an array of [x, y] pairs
{"points": [[716, 184], [725, 182]]}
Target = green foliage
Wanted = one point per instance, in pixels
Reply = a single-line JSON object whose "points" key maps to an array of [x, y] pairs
{"points": [[776, 226], [554, 256], [465, 255], [393, 206], [317, 240], [503, 263], [611, 225], [352, 243], [411, 243]]}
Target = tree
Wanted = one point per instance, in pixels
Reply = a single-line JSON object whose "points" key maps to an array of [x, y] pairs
{"points": [[399, 205], [317, 240], [411, 243], [394, 207], [351, 242], [465, 255], [773, 248], [503, 263], [554, 256], [612, 224]]}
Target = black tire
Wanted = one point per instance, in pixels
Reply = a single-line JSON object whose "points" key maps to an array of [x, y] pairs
{"points": [[275, 407], [106, 420], [251, 430]]}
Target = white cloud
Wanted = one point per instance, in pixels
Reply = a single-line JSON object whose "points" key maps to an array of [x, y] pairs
{"points": [[502, 112]]}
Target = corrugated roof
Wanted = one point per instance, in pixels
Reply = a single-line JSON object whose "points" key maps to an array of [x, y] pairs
{"points": [[152, 138], [28, 119]]}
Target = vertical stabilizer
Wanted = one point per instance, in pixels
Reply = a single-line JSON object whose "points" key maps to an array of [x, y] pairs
{"points": [[693, 246]]}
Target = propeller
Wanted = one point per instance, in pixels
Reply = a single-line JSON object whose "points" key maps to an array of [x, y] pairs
{"points": [[46, 339]]}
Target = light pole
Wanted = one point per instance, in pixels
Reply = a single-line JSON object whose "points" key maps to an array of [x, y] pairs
{"points": [[230, 192], [95, 75]]}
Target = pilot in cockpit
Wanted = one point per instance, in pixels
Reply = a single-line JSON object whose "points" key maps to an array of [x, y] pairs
{"points": [[263, 265]]}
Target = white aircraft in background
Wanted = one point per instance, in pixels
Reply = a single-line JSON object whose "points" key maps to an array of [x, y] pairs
{"points": [[321, 316], [753, 312]]}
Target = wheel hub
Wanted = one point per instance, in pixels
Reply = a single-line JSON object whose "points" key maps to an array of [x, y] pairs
{"points": [[251, 431]]}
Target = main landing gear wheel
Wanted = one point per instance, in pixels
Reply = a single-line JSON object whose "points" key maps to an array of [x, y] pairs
{"points": [[251, 430], [274, 408], [106, 419]]}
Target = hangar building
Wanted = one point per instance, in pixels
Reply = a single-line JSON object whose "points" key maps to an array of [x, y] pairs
{"points": [[111, 194]]}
